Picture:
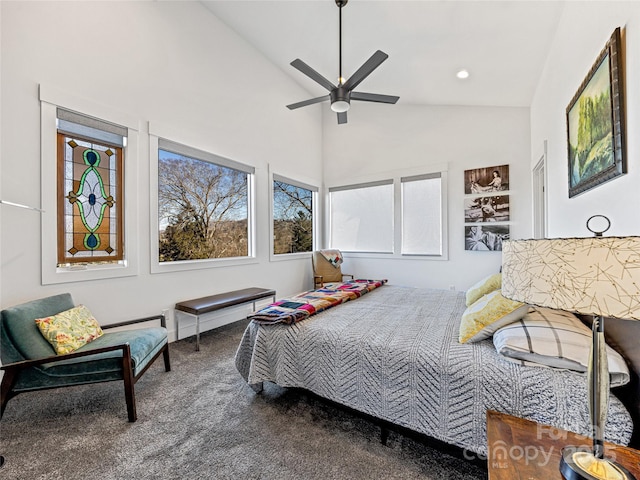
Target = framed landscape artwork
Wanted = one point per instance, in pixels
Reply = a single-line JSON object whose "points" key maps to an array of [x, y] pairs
{"points": [[595, 123]]}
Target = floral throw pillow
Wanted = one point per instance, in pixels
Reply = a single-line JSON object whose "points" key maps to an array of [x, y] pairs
{"points": [[69, 330]]}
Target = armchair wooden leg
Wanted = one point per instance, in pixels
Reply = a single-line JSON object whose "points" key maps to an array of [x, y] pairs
{"points": [[167, 361], [129, 382], [8, 382]]}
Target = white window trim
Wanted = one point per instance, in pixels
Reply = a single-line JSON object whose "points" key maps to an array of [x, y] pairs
{"points": [[50, 99], [395, 176], [310, 185], [156, 132]]}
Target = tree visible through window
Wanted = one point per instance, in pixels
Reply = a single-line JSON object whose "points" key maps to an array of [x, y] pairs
{"points": [[292, 218], [203, 209]]}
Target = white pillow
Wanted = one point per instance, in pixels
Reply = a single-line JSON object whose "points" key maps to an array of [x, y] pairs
{"points": [[557, 339]]}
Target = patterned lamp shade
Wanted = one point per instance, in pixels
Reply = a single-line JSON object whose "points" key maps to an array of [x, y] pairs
{"points": [[591, 276]]}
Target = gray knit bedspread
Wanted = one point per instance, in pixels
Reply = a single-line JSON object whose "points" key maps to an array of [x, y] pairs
{"points": [[394, 354]]}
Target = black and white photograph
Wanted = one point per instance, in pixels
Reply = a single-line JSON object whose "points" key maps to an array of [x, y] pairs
{"points": [[486, 180], [485, 237], [493, 208]]}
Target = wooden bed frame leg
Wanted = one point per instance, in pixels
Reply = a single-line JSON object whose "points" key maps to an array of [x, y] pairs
{"points": [[257, 387], [384, 435]]}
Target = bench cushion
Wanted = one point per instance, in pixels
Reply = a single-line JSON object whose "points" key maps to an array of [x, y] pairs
{"points": [[212, 303]]}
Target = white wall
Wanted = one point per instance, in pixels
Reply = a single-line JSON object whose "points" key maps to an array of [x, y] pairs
{"points": [[168, 63], [582, 33], [382, 138]]}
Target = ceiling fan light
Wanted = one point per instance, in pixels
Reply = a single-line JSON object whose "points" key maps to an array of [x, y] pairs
{"points": [[340, 106]]}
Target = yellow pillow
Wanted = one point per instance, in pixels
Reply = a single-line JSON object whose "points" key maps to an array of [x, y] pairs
{"points": [[491, 312], [484, 286], [69, 330]]}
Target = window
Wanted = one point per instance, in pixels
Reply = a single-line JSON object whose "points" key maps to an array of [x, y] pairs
{"points": [[203, 205], [107, 245], [90, 196], [293, 216], [422, 215], [361, 217], [402, 216]]}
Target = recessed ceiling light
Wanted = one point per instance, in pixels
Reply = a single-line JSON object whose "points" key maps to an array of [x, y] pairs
{"points": [[462, 74]]}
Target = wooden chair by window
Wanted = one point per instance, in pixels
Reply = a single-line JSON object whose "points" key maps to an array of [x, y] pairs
{"points": [[324, 271]]}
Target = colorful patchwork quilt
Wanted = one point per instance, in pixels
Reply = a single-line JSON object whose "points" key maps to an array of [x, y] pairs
{"points": [[303, 305]]}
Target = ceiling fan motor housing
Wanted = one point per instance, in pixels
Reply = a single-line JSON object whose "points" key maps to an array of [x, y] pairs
{"points": [[340, 99]]}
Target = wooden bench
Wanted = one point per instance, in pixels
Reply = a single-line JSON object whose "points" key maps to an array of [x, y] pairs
{"points": [[212, 303]]}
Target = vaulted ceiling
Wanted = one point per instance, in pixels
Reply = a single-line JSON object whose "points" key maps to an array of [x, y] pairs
{"points": [[502, 44]]}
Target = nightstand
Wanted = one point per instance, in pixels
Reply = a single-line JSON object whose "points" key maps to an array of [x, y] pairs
{"points": [[524, 450]]}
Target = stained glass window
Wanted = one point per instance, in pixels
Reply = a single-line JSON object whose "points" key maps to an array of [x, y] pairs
{"points": [[90, 200]]}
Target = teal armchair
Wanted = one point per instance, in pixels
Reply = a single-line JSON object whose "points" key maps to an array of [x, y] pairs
{"points": [[30, 363]]}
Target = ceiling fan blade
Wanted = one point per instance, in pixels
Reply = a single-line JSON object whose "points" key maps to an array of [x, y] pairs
{"points": [[365, 70], [312, 74], [374, 97], [342, 118], [311, 101]]}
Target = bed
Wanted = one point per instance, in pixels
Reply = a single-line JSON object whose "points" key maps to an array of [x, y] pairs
{"points": [[394, 354]]}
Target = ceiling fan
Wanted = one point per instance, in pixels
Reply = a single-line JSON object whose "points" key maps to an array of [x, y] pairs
{"points": [[342, 93]]}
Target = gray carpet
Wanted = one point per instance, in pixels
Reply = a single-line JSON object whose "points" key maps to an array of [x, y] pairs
{"points": [[202, 421]]}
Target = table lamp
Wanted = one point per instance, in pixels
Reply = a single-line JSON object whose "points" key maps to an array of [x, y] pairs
{"points": [[597, 276]]}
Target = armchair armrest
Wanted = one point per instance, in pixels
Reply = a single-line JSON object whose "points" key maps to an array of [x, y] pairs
{"points": [[57, 358], [161, 317]]}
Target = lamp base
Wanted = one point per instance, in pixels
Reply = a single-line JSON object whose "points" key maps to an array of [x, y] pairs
{"points": [[581, 464]]}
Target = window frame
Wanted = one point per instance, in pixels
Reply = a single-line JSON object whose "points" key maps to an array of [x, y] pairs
{"points": [[159, 136], [315, 205], [51, 99], [362, 186], [79, 124], [396, 177], [418, 178]]}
